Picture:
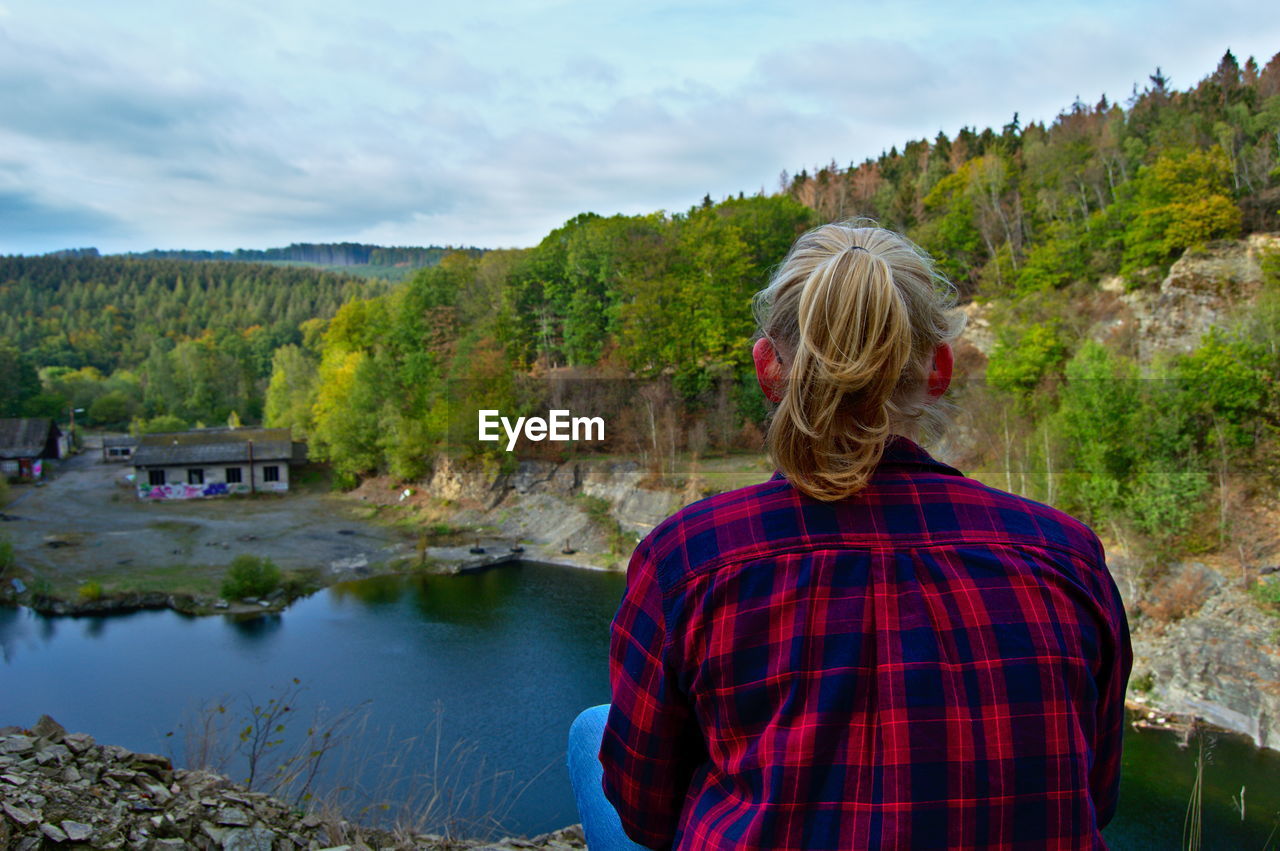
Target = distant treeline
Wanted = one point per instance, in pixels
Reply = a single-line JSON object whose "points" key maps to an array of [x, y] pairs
{"points": [[321, 254], [161, 336]]}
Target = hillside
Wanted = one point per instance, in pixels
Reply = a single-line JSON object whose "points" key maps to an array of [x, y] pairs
{"points": [[185, 338], [1191, 521]]}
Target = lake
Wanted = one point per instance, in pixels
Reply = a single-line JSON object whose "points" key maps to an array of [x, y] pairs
{"points": [[502, 660]]}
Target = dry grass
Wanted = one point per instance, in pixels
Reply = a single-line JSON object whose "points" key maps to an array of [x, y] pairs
{"points": [[1176, 596], [458, 795], [365, 787]]}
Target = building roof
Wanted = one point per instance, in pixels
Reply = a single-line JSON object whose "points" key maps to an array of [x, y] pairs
{"points": [[24, 437], [116, 440], [213, 446]]}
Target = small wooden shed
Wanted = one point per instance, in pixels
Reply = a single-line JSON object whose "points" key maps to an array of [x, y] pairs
{"points": [[25, 442]]}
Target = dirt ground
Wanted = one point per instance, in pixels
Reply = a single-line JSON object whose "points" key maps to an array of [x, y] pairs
{"points": [[84, 523]]}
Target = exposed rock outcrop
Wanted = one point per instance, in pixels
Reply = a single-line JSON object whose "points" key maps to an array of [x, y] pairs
{"points": [[1204, 649], [61, 790], [1201, 290], [530, 501], [593, 507]]}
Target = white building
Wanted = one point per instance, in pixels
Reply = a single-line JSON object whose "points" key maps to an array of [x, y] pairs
{"points": [[214, 462]]}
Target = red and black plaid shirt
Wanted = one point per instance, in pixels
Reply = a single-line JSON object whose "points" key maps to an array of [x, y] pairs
{"points": [[930, 664]]}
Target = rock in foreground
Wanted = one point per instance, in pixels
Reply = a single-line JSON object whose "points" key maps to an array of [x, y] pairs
{"points": [[61, 790]]}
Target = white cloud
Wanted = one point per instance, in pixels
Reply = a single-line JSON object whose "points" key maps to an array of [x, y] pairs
{"points": [[238, 125]]}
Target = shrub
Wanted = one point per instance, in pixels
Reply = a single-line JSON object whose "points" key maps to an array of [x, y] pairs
{"points": [[1267, 591], [1163, 503], [6, 554], [112, 408], [598, 511], [250, 576], [1051, 264], [300, 583], [1019, 362], [91, 590], [162, 423]]}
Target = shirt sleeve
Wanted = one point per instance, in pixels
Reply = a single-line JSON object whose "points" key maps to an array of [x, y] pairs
{"points": [[1113, 679], [651, 741]]}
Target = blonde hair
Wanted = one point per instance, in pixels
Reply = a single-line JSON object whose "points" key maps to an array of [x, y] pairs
{"points": [[855, 313]]}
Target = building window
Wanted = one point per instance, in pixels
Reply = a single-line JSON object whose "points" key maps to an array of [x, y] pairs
{"points": [[271, 474], [155, 477], [195, 477], [233, 476]]}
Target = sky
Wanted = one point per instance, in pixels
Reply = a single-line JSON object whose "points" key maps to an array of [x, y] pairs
{"points": [[133, 125]]}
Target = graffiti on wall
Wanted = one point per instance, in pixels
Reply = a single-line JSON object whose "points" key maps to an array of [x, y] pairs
{"points": [[180, 491]]}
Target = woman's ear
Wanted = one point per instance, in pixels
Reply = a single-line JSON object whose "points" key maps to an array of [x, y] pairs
{"points": [[940, 374], [768, 369]]}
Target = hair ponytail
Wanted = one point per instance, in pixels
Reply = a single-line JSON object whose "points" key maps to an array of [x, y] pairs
{"points": [[855, 314]]}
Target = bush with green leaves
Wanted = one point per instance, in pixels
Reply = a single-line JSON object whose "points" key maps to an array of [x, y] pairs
{"points": [[1132, 457], [250, 576], [1053, 263], [1162, 502], [1096, 419], [1226, 387], [1021, 360], [1267, 591], [156, 425]]}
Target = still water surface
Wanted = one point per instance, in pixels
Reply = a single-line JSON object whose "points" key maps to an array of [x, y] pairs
{"points": [[510, 656]]}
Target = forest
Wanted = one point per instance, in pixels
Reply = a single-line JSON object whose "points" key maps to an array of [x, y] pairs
{"points": [[125, 338], [645, 320]]}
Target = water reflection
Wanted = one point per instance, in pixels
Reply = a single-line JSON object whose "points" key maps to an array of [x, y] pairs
{"points": [[253, 627], [10, 631], [479, 599], [1157, 779], [373, 592]]}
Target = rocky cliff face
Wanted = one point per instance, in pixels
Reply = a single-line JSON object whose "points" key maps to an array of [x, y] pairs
{"points": [[1202, 289], [1211, 652], [540, 503], [1203, 648], [63, 790]]}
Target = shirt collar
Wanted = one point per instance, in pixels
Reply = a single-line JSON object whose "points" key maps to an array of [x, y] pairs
{"points": [[902, 453]]}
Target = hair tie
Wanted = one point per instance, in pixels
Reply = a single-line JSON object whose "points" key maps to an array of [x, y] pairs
{"points": [[857, 248]]}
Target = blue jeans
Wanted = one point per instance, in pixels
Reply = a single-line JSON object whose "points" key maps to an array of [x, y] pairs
{"points": [[600, 822]]}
